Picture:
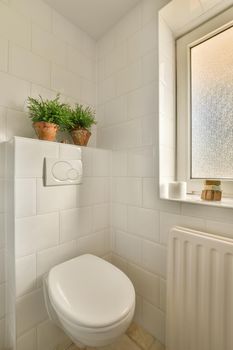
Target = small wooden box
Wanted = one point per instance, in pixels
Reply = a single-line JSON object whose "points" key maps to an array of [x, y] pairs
{"points": [[211, 195]]}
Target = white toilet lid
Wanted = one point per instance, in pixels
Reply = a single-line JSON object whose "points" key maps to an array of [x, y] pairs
{"points": [[90, 292]]}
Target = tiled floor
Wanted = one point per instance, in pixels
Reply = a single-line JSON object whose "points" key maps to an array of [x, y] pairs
{"points": [[135, 339]]}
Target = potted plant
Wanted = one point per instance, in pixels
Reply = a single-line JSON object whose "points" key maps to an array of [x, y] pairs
{"points": [[48, 116], [80, 121]]}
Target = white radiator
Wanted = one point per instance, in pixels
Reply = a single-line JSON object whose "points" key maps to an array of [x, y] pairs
{"points": [[200, 291]]}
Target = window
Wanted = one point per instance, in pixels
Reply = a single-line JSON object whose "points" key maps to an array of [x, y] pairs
{"points": [[211, 88], [205, 103]]}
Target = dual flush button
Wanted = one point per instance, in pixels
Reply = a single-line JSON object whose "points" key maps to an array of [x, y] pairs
{"points": [[59, 172]]}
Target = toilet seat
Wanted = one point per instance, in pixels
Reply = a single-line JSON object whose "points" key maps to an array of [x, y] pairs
{"points": [[91, 293]]}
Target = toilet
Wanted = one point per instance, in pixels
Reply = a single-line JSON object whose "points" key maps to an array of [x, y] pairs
{"points": [[90, 299]]}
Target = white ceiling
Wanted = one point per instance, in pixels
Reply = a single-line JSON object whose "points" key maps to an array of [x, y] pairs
{"points": [[93, 16]]}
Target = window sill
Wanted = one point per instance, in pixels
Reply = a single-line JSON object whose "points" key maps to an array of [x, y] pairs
{"points": [[195, 199]]}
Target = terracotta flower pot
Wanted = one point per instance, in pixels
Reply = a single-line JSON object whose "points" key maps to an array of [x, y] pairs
{"points": [[46, 131], [80, 136]]}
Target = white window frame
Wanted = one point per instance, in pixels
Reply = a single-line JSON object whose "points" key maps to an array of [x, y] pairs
{"points": [[183, 51]]}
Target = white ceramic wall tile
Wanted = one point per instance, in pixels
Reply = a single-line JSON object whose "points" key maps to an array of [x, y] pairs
{"points": [[2, 231], [30, 311], [143, 222], [167, 221], [119, 163], [27, 341], [138, 309], [154, 258], [134, 47], [89, 46], [26, 164], [219, 228], [18, 124], [38, 90], [119, 262], [101, 217], [150, 67], [48, 46], [36, 233], [119, 216], [146, 284], [53, 198], [50, 336], [116, 60], [25, 193], [143, 41], [25, 275], [121, 136], [4, 54], [163, 294], [87, 161], [88, 92], [67, 32], [150, 9], [129, 78], [206, 212], [14, 27], [116, 110], [2, 128], [75, 223], [106, 44], [2, 156], [101, 163], [100, 74], [2, 191], [48, 258], [141, 162], [75, 60], [93, 190], [96, 244], [37, 11], [30, 67], [2, 300], [128, 25], [127, 190], [129, 247], [142, 101], [2, 331], [106, 90], [14, 91], [72, 152], [154, 321], [149, 38], [66, 82], [150, 193]]}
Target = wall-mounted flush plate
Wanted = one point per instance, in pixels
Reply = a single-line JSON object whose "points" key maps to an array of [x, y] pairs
{"points": [[59, 172]]}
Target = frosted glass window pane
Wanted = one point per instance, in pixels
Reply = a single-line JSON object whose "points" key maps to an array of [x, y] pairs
{"points": [[212, 107]]}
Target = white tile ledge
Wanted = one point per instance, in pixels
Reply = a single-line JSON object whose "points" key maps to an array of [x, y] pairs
{"points": [[195, 199]]}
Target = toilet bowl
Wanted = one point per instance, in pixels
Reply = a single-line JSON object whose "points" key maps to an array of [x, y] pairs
{"points": [[90, 299]]}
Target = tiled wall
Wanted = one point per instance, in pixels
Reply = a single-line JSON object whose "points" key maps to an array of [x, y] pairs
{"points": [[129, 122], [2, 246], [40, 53], [54, 224]]}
